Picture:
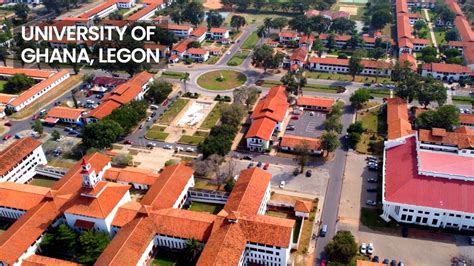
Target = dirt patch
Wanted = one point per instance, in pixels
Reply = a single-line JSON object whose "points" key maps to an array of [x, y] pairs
{"points": [[352, 10], [212, 4]]}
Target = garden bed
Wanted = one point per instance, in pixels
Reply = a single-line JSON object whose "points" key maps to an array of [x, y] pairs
{"points": [[173, 111], [221, 80], [156, 133], [213, 116]]}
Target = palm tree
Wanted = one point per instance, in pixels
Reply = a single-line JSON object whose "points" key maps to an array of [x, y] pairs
{"points": [[185, 79], [192, 250]]}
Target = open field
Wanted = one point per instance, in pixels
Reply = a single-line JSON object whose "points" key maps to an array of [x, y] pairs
{"points": [[213, 116], [191, 140], [172, 74], [375, 126], [251, 41], [347, 77], [238, 58], [221, 80], [173, 111], [156, 133]]}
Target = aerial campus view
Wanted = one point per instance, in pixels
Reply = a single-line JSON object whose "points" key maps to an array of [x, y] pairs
{"points": [[237, 132]]}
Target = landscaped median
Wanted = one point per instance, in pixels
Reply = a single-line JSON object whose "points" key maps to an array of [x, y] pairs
{"points": [[172, 74], [221, 80], [308, 87], [463, 99], [156, 133], [238, 58], [213, 116], [251, 41], [347, 77], [173, 111]]}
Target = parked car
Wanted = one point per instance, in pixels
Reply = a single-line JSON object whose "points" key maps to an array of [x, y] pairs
{"points": [[247, 157], [393, 263], [17, 136], [309, 173], [8, 124], [471, 240], [36, 116], [296, 171], [363, 249], [371, 158], [151, 145], [386, 261], [290, 127], [265, 167], [372, 180], [323, 230], [153, 114], [370, 249], [295, 117], [372, 190], [148, 119], [168, 147], [129, 142], [259, 164], [7, 137], [282, 184], [178, 148], [141, 126], [375, 259], [250, 165], [311, 113], [371, 203], [189, 149]]}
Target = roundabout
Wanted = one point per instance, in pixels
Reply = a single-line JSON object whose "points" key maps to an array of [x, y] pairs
{"points": [[221, 80]]}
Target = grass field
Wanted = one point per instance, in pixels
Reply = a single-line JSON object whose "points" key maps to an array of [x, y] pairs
{"points": [[463, 99], [213, 116], [163, 258], [43, 181], [2, 84], [439, 33], [307, 88], [172, 74], [231, 79], [238, 58], [347, 77], [173, 111], [212, 60], [156, 133], [206, 207], [251, 41], [191, 140], [375, 127]]}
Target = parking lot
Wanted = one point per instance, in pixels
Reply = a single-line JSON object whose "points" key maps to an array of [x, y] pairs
{"points": [[309, 124]]}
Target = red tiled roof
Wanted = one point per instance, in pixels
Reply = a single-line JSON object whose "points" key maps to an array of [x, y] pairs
{"points": [[91, 13], [248, 192], [37, 88], [126, 213], [16, 152], [219, 30], [175, 26], [181, 46], [401, 6], [143, 12], [462, 137], [131, 175], [261, 128], [329, 61], [65, 112], [406, 57], [273, 106], [397, 119], [6, 98], [111, 22], [405, 42], [306, 39], [21, 196], [38, 260], [294, 141], [184, 223], [420, 41], [375, 64], [464, 28], [403, 27], [450, 68], [32, 73], [315, 101], [303, 206], [466, 119], [288, 34], [82, 224], [300, 54], [454, 7], [199, 31], [104, 109], [168, 186], [404, 185], [198, 51]]}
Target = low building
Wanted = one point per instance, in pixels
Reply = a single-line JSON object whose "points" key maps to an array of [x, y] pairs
{"points": [[288, 36], [197, 54], [291, 143], [329, 14], [267, 119], [298, 58], [65, 115], [315, 103], [18, 161], [107, 8], [303, 208], [146, 13], [445, 72], [199, 34], [336, 65], [460, 141], [466, 120], [181, 31], [219, 33]]}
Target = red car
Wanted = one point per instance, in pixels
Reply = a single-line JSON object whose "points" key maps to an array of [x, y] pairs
{"points": [[36, 116], [265, 167], [295, 117], [7, 137], [128, 142]]}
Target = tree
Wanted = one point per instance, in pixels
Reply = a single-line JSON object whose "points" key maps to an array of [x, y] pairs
{"points": [[21, 11], [406, 86], [319, 24], [331, 41], [329, 141], [300, 23], [356, 127], [263, 57], [37, 126], [359, 97], [294, 83], [452, 35], [214, 19], [159, 90], [193, 13], [354, 133], [3, 55], [279, 23], [431, 91], [61, 240], [55, 134], [101, 134], [302, 151], [242, 5], [18, 83], [185, 79], [91, 245], [258, 4], [116, 16], [268, 24], [342, 248], [191, 251], [380, 18], [446, 116], [246, 96], [122, 159], [428, 54], [354, 42], [219, 140], [377, 53], [419, 25], [237, 22], [232, 114], [333, 123], [355, 66], [343, 25]]}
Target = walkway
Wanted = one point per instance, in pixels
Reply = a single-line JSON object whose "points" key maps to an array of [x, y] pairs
{"points": [[430, 27]]}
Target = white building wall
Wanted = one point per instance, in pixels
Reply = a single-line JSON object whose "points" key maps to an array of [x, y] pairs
{"points": [[257, 144], [181, 200], [442, 75], [267, 255], [24, 171]]}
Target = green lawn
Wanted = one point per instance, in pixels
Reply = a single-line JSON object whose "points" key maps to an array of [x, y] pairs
{"points": [[206, 207], [191, 140], [123, 11], [156, 133], [379, 92], [203, 134], [347, 77], [439, 33], [238, 58], [463, 99], [173, 111], [375, 126], [251, 41], [307, 88], [172, 74], [213, 116], [43, 181], [221, 80], [212, 60], [163, 258]]}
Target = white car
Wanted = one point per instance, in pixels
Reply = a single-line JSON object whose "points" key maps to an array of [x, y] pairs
{"points": [[189, 149], [282, 184], [370, 249], [178, 148], [168, 147], [363, 248]]}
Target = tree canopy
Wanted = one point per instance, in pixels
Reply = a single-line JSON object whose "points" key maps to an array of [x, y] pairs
{"points": [[18, 83], [214, 19], [446, 116], [159, 91], [359, 97], [342, 248], [329, 141]]}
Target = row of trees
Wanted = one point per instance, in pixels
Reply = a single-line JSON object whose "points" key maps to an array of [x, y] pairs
{"points": [[183, 11], [18, 83], [120, 122], [264, 57], [297, 6], [377, 14], [321, 24], [158, 91]]}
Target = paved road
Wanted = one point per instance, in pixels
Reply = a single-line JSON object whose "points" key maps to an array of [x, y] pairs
{"points": [[236, 47]]}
